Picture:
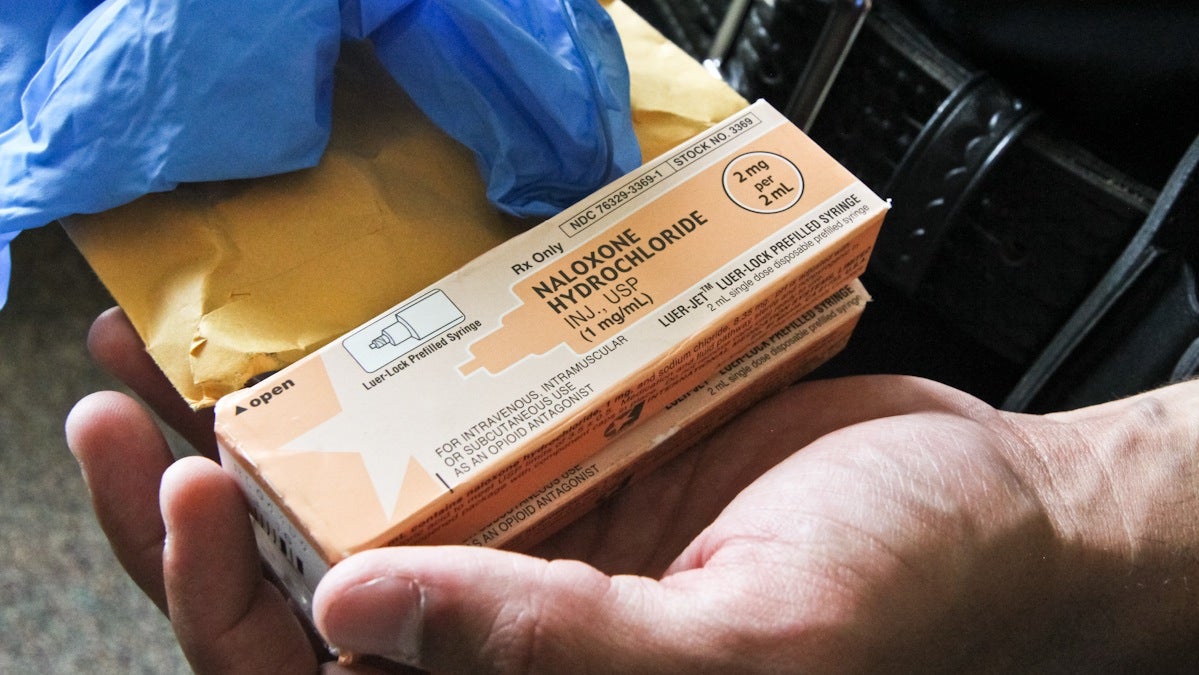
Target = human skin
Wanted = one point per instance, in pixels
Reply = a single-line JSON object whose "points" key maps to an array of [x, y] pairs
{"points": [[867, 524]]}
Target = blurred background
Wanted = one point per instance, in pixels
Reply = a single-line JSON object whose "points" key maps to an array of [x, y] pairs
{"points": [[66, 606]]}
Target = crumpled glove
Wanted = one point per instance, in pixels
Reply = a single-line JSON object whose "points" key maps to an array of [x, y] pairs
{"points": [[103, 102]]}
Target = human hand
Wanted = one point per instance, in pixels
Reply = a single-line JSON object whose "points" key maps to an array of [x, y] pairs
{"points": [[918, 529], [101, 103], [206, 575], [860, 525]]}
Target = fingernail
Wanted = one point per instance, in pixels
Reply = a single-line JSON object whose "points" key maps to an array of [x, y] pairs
{"points": [[381, 617]]}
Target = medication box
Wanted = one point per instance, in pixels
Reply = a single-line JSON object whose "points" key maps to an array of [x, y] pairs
{"points": [[426, 422]]}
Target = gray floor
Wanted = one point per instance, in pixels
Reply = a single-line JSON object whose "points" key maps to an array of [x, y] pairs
{"points": [[65, 604]]}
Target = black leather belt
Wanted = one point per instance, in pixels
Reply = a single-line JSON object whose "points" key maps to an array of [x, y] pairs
{"points": [[1002, 235]]}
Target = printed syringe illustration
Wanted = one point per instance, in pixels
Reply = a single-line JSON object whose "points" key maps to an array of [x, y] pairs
{"points": [[424, 317], [398, 332]]}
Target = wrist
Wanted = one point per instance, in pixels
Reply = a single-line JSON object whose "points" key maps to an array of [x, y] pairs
{"points": [[1120, 486]]}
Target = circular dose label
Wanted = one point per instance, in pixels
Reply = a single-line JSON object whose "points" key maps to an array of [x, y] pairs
{"points": [[763, 182]]}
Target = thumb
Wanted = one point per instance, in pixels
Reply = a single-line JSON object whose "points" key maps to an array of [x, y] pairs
{"points": [[465, 609]]}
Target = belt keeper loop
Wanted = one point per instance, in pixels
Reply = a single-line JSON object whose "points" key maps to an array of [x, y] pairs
{"points": [[942, 172]]}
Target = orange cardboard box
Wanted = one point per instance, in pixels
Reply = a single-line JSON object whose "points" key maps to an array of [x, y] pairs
{"points": [[423, 424]]}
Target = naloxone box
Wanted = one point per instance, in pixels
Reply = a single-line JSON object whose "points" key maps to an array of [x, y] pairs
{"points": [[782, 358], [425, 423]]}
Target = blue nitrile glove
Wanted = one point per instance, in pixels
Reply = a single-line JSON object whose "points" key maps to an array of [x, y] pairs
{"points": [[5, 265], [109, 101], [538, 89], [105, 102]]}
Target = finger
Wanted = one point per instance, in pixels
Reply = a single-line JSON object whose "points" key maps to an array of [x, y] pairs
{"points": [[116, 346], [122, 455], [468, 609], [227, 616]]}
